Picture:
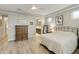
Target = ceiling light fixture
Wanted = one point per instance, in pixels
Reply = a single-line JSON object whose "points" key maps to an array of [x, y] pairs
{"points": [[34, 7]]}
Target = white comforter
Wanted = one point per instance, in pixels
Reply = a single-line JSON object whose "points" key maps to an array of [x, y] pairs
{"points": [[60, 42]]}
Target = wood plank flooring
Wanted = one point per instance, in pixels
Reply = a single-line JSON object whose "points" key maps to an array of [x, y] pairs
{"points": [[30, 46]]}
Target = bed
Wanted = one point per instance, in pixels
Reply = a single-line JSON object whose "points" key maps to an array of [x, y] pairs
{"points": [[60, 42]]}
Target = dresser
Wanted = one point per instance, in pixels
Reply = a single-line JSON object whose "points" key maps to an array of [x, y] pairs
{"points": [[21, 32]]}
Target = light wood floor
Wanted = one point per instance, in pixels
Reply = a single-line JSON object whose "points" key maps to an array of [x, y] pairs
{"points": [[30, 46]]}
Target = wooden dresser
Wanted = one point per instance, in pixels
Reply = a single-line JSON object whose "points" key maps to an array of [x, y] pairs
{"points": [[21, 32]]}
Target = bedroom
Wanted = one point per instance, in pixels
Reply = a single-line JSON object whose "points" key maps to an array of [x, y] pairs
{"points": [[55, 17]]}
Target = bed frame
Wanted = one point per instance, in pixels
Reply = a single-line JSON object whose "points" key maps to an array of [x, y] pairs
{"points": [[65, 29]]}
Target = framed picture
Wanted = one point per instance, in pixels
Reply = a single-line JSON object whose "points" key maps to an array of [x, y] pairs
{"points": [[31, 23], [59, 20]]}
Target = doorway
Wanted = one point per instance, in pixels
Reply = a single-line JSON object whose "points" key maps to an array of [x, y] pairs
{"points": [[38, 26]]}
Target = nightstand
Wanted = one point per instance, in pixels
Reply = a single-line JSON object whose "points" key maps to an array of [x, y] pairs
{"points": [[78, 43], [51, 30]]}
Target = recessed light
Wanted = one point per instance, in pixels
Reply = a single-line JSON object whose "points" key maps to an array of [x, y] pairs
{"points": [[34, 7]]}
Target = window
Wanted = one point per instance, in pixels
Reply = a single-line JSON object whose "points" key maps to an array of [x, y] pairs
{"points": [[76, 14], [49, 19]]}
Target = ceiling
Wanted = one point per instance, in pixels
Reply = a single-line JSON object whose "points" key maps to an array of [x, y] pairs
{"points": [[43, 9]]}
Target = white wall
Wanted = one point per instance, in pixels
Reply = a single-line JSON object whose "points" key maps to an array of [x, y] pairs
{"points": [[67, 16], [19, 19]]}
